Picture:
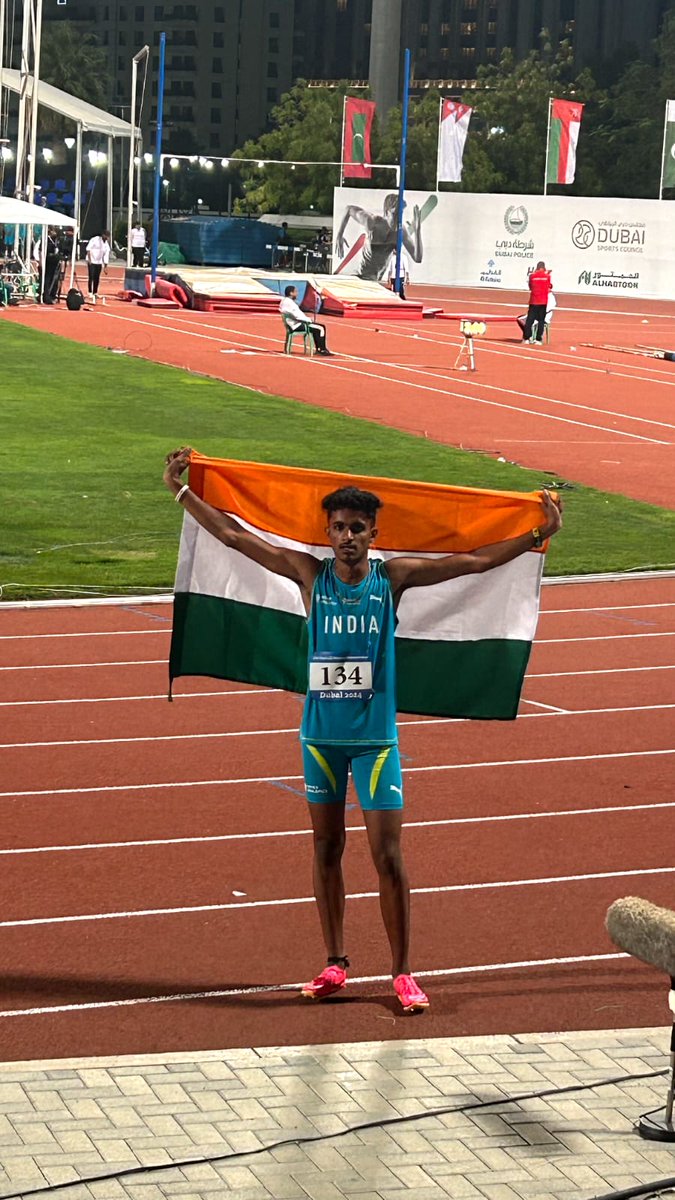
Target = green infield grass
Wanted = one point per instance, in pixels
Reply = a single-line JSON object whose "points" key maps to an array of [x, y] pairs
{"points": [[85, 432]]}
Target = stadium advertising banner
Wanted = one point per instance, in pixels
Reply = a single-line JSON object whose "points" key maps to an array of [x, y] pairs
{"points": [[593, 245]]}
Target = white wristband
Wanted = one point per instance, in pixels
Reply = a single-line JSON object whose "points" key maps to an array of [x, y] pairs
{"points": [[179, 495]]}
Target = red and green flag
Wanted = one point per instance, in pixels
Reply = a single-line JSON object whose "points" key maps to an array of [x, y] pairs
{"points": [[358, 123], [561, 157]]}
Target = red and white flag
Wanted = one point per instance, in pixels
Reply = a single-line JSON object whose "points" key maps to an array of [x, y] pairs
{"points": [[454, 126], [561, 158]]}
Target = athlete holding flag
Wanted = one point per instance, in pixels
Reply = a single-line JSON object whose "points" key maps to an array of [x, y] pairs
{"points": [[349, 718]]}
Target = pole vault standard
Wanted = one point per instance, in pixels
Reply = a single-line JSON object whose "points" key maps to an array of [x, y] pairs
{"points": [[134, 143], [401, 179], [158, 159]]}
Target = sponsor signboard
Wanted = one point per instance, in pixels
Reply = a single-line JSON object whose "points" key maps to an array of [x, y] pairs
{"points": [[592, 244]]}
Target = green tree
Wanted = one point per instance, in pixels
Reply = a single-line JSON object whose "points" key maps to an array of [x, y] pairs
{"points": [[306, 126], [506, 148], [75, 63]]}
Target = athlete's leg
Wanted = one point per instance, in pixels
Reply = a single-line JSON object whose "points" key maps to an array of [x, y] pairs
{"points": [[328, 824], [326, 770], [378, 780], [384, 835]]}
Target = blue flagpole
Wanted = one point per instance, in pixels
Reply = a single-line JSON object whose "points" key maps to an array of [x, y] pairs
{"points": [[158, 160], [401, 182]]}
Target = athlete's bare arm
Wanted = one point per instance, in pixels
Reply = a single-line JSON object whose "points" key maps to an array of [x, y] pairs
{"points": [[358, 214], [412, 236], [301, 568], [407, 572]]}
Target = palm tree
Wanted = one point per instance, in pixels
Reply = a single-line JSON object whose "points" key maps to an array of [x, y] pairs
{"points": [[75, 63]]}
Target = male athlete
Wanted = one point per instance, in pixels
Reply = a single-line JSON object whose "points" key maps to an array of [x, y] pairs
{"points": [[381, 234], [349, 719]]}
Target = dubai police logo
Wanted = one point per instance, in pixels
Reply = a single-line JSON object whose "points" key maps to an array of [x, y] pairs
{"points": [[516, 219], [583, 235]]}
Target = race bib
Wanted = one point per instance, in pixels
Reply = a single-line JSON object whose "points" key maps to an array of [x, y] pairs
{"points": [[340, 678]]}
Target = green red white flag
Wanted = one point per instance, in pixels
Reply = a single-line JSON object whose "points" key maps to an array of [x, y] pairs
{"points": [[564, 126], [452, 134], [356, 130], [462, 646]]}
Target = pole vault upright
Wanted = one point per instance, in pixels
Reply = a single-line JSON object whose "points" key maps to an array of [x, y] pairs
{"points": [[134, 145], [158, 159], [401, 181]]}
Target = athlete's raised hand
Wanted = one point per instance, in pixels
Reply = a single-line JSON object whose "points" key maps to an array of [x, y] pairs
{"points": [[176, 462]]}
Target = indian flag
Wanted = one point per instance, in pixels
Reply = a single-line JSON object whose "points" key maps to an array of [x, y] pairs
{"points": [[564, 125], [462, 646]]}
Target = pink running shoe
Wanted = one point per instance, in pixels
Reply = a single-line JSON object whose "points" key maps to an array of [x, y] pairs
{"points": [[411, 996], [331, 980]]}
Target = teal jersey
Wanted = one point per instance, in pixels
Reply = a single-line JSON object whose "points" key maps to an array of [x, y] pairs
{"points": [[351, 686]]}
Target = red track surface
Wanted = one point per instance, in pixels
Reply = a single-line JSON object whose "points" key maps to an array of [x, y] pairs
{"points": [[204, 802], [596, 416]]}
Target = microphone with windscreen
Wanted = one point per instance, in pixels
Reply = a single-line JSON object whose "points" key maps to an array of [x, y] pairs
{"points": [[647, 932]]}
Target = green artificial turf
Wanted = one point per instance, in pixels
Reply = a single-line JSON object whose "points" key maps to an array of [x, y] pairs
{"points": [[85, 432]]}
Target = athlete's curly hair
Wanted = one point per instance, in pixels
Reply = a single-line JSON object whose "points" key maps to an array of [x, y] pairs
{"points": [[355, 499]]}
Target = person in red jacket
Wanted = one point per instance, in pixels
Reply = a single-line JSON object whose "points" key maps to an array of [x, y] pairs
{"points": [[540, 287]]}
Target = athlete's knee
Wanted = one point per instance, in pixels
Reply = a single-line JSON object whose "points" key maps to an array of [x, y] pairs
{"points": [[388, 859], [328, 849]]}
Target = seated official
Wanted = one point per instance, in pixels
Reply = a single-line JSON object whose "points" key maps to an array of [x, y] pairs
{"points": [[297, 319]]}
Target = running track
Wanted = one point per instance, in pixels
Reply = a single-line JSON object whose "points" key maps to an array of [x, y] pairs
{"points": [[595, 416], [152, 851]]}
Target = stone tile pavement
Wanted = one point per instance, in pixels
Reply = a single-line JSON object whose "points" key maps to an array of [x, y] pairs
{"points": [[69, 1119]]}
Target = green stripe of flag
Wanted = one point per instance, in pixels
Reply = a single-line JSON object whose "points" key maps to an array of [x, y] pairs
{"points": [[553, 161], [227, 639]]}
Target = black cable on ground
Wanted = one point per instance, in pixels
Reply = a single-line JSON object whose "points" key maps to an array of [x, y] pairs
{"points": [[643, 1189], [379, 1123]]}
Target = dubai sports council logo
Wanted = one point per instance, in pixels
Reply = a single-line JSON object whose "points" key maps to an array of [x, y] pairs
{"points": [[583, 235], [516, 218]]}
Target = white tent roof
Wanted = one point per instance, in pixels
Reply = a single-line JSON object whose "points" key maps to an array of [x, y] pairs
{"points": [[91, 118], [19, 212]]}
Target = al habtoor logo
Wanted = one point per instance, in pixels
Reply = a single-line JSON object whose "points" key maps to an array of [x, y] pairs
{"points": [[516, 218], [583, 234]]}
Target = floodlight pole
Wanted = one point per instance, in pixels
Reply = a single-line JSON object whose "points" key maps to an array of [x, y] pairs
{"points": [[77, 200], [37, 46], [401, 182], [158, 159], [133, 146]]}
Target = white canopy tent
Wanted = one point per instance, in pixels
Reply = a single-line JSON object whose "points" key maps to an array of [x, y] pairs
{"points": [[20, 212], [87, 118]]}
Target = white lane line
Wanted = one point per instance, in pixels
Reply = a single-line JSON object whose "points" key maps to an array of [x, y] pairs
{"points": [[237, 733], [222, 993], [150, 662], [194, 783], [603, 637], [32, 637], [565, 674], [408, 383], [293, 901], [538, 704], [593, 608], [266, 835], [641, 373], [256, 691], [127, 662], [556, 358]]}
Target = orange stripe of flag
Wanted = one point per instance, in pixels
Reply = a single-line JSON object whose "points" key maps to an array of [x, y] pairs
{"points": [[416, 517]]}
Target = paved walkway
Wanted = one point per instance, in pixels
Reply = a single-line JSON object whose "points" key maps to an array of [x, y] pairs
{"points": [[68, 1119]]}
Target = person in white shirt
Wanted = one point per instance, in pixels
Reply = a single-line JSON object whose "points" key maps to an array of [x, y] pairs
{"points": [[98, 256], [296, 318], [405, 271], [138, 243]]}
